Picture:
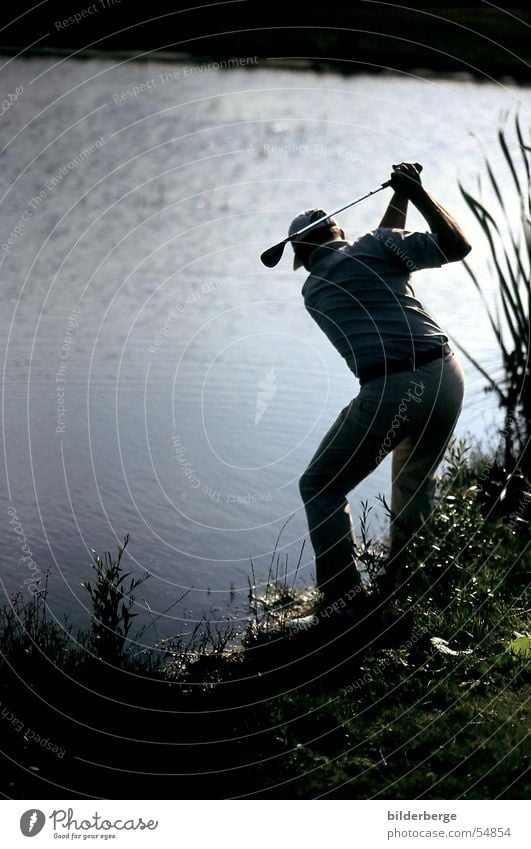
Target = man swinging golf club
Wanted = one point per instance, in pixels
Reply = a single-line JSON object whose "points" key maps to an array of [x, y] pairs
{"points": [[360, 295]]}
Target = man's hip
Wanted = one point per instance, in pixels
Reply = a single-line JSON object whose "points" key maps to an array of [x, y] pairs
{"points": [[412, 363]]}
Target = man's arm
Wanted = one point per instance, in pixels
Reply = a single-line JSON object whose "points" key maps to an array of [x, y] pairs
{"points": [[396, 212], [451, 240]]}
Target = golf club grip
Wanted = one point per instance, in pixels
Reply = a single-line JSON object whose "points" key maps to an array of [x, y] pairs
{"points": [[417, 165]]}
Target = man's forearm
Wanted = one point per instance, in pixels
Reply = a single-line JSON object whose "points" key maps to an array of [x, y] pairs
{"points": [[396, 212], [452, 242]]}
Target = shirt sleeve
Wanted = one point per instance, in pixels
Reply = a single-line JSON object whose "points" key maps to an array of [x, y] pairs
{"points": [[413, 251]]}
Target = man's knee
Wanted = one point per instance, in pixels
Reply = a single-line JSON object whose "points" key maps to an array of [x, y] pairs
{"points": [[312, 486], [307, 486]]}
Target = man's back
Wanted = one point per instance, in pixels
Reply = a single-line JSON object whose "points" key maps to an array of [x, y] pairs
{"points": [[361, 296]]}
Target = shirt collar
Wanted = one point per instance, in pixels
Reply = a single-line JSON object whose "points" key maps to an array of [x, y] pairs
{"points": [[323, 250]]}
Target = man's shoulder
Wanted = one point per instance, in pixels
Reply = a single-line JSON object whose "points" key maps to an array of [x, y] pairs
{"points": [[411, 248], [369, 243], [380, 234], [340, 247]]}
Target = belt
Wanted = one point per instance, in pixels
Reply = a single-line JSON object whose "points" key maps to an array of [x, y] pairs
{"points": [[396, 366]]}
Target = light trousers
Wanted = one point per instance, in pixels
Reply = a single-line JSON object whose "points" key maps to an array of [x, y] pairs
{"points": [[411, 415]]}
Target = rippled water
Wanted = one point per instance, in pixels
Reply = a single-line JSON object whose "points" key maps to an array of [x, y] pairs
{"points": [[158, 380]]}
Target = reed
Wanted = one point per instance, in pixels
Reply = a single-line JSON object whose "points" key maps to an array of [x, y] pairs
{"points": [[508, 243]]}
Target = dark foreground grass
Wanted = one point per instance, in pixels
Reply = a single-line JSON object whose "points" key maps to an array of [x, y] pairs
{"points": [[442, 713]]}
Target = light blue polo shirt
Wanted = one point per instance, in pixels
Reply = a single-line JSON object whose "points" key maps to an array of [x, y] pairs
{"points": [[360, 295]]}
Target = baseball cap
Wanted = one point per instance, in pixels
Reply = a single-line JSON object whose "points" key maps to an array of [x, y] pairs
{"points": [[303, 220]]}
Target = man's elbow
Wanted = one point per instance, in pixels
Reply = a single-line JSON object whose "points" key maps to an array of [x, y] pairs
{"points": [[466, 247], [456, 249]]}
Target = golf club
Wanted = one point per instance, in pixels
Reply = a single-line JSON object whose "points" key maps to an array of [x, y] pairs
{"points": [[273, 255]]}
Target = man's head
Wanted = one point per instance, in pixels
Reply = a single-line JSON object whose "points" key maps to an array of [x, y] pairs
{"points": [[303, 247]]}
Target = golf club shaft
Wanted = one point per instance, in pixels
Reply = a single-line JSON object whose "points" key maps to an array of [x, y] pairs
{"points": [[272, 256], [347, 206], [315, 224]]}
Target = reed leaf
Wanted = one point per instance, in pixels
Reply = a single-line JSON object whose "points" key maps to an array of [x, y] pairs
{"points": [[509, 250], [524, 149], [509, 160]]}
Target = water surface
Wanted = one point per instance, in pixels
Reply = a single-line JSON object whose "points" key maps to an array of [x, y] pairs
{"points": [[158, 380]]}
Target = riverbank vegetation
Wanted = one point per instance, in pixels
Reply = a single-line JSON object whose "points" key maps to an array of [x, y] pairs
{"points": [[485, 43], [438, 708]]}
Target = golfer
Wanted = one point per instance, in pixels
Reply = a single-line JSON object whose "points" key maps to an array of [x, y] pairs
{"points": [[360, 294]]}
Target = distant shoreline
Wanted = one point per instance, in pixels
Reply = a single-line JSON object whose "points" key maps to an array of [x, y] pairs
{"points": [[479, 40], [342, 67]]}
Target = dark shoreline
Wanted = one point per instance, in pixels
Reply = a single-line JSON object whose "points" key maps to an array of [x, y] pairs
{"points": [[342, 67], [480, 41]]}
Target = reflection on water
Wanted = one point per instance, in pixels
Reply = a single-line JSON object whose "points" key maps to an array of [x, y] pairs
{"points": [[158, 379]]}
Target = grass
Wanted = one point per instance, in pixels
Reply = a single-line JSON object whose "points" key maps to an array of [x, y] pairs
{"points": [[112, 602], [443, 713]]}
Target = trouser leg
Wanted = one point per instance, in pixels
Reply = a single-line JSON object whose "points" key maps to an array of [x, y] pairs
{"points": [[413, 491], [332, 536], [339, 464], [416, 458]]}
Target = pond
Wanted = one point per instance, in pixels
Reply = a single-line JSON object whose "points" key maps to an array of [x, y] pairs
{"points": [[158, 380]]}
